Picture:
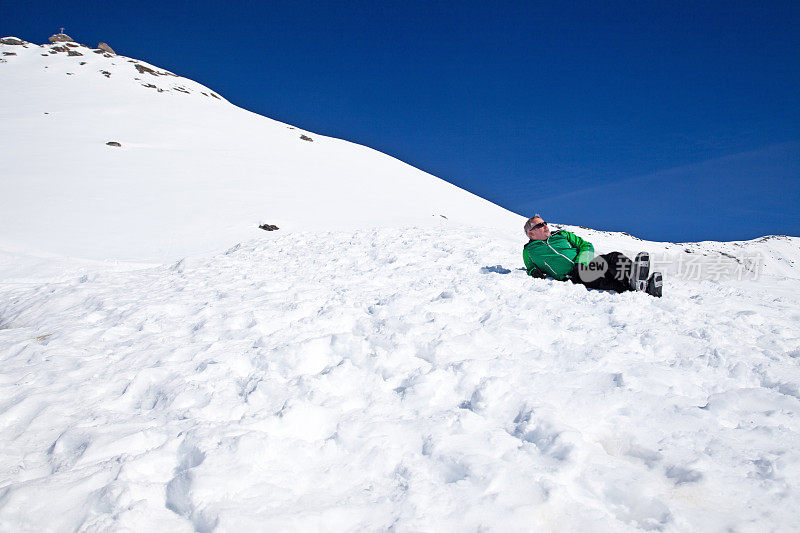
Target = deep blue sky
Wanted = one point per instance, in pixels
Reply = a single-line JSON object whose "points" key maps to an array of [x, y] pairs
{"points": [[669, 120]]}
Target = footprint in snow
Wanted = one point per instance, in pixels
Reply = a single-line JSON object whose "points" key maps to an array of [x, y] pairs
{"points": [[496, 269]]}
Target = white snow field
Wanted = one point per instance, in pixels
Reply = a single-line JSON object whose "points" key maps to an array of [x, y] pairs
{"points": [[372, 365]]}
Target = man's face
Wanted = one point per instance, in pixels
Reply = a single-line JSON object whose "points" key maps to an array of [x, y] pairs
{"points": [[540, 233]]}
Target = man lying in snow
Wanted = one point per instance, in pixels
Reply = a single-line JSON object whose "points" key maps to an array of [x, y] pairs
{"points": [[563, 255]]}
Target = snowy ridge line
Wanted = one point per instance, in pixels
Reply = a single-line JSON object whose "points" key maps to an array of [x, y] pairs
{"points": [[774, 256], [74, 58], [413, 379]]}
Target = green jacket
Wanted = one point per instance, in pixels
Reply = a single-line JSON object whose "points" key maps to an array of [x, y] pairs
{"points": [[557, 255]]}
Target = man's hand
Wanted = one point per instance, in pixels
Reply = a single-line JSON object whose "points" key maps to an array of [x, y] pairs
{"points": [[536, 273], [575, 272]]}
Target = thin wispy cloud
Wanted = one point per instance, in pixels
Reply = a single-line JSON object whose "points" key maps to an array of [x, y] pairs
{"points": [[739, 196], [753, 160]]}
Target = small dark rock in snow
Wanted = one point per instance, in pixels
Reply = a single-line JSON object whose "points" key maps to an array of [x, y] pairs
{"points": [[269, 227], [306, 138], [74, 53], [9, 53], [113, 143], [105, 73], [12, 40]]}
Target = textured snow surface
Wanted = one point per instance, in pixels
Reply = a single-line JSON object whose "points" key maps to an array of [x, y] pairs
{"points": [[413, 379]]}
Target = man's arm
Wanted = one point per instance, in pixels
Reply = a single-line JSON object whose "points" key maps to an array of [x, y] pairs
{"points": [[585, 248]]}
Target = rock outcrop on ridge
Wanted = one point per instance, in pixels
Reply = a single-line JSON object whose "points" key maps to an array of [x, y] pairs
{"points": [[60, 38]]}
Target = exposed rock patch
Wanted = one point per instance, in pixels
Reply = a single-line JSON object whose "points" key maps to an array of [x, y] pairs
{"points": [[306, 138], [74, 53], [268, 227], [105, 48], [151, 86], [12, 41], [145, 70], [60, 38], [113, 143]]}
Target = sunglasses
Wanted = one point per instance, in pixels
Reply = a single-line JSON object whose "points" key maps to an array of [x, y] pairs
{"points": [[539, 225]]}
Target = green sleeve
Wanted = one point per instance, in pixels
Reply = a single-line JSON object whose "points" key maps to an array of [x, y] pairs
{"points": [[530, 267], [585, 248], [529, 264]]}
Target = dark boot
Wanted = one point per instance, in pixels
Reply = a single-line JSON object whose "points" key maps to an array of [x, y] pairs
{"points": [[641, 269], [655, 285]]}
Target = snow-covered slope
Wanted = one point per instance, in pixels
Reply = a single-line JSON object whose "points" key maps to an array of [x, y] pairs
{"points": [[370, 366], [193, 172]]}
